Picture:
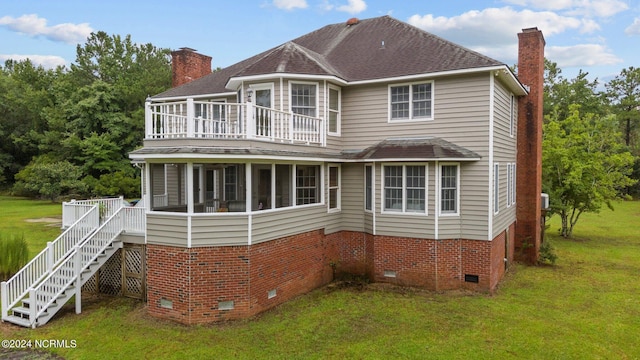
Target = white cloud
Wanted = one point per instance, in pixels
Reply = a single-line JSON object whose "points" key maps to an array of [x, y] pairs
{"points": [[633, 29], [33, 25], [46, 61], [290, 4], [581, 55], [497, 27], [353, 7], [590, 8]]}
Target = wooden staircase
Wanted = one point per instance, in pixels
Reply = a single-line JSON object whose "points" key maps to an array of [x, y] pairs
{"points": [[36, 293]]}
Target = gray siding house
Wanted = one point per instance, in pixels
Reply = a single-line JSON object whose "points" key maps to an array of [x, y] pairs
{"points": [[369, 147]]}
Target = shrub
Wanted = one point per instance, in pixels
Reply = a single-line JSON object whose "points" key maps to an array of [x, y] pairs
{"points": [[14, 254], [547, 253]]}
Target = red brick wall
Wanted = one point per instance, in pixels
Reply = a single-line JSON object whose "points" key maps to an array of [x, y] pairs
{"points": [[196, 280], [292, 266], [187, 65], [529, 158]]}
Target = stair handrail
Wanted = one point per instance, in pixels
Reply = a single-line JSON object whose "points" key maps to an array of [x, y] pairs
{"points": [[14, 289], [82, 255]]}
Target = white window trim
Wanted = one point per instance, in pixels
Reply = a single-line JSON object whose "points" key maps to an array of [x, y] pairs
{"points": [[411, 118], [339, 112], [317, 105], [264, 86], [496, 188], [439, 190], [404, 211], [373, 188], [338, 207], [509, 184], [513, 184]]}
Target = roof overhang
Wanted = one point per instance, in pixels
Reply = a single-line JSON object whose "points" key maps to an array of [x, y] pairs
{"points": [[235, 81], [503, 72], [419, 149]]}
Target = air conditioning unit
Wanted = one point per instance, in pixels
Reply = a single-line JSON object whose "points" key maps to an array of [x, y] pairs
{"points": [[544, 201]]}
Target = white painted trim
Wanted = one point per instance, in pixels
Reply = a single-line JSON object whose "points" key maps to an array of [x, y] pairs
{"points": [[458, 189], [305, 82], [247, 200], [328, 111], [492, 104], [404, 210], [436, 223], [195, 156], [410, 118], [291, 76], [338, 208]]}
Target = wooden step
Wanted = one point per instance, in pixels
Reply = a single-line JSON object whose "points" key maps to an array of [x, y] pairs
{"points": [[18, 320]]}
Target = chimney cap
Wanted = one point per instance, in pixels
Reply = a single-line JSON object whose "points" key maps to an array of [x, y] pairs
{"points": [[531, 29], [187, 49]]}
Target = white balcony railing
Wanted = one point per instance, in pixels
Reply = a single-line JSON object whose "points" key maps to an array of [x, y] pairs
{"points": [[199, 119]]}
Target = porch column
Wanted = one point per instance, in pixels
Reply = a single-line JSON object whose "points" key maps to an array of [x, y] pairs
{"points": [[251, 122], [191, 112], [190, 198], [148, 119]]}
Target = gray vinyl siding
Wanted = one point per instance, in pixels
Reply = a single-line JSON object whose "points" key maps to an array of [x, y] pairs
{"points": [[219, 230], [167, 229], [504, 152], [352, 197], [461, 116], [275, 224]]}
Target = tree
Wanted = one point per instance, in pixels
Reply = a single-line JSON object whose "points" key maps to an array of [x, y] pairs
{"points": [[50, 179], [624, 93], [584, 164], [560, 93]]}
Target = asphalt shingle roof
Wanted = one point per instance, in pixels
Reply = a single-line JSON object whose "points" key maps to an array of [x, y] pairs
{"points": [[375, 48]]}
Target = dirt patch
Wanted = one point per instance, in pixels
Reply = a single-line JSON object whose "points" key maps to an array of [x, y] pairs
{"points": [[50, 221], [45, 220]]}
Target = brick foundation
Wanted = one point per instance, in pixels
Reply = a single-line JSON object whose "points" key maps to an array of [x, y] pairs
{"points": [[191, 285]]}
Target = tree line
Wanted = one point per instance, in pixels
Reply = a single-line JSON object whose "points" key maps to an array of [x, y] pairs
{"points": [[68, 131]]}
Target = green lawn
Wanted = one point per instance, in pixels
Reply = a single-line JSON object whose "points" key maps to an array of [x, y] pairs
{"points": [[587, 306]]}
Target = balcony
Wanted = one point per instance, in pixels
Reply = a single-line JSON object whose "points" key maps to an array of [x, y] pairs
{"points": [[191, 119]]}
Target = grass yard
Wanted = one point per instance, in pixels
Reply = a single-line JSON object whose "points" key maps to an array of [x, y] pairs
{"points": [[587, 306]]}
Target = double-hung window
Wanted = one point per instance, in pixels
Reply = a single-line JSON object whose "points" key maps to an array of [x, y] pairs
{"points": [[405, 188], [334, 187], [334, 110], [449, 189], [368, 187], [411, 101], [303, 99], [307, 184]]}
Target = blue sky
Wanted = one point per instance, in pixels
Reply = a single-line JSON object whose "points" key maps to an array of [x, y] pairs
{"points": [[600, 37]]}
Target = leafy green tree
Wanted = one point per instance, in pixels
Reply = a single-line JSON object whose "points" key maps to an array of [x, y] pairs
{"points": [[24, 93], [560, 93], [624, 93], [95, 113], [50, 180], [584, 164]]}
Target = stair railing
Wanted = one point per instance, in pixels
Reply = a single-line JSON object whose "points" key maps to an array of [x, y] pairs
{"points": [[81, 257], [14, 289]]}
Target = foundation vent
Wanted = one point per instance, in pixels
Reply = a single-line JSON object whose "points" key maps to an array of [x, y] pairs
{"points": [[471, 278]]}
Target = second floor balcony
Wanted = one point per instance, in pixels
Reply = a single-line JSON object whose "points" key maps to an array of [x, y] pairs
{"points": [[190, 119]]}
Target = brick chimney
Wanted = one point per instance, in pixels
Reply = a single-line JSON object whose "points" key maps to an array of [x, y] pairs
{"points": [[529, 159], [187, 65]]}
